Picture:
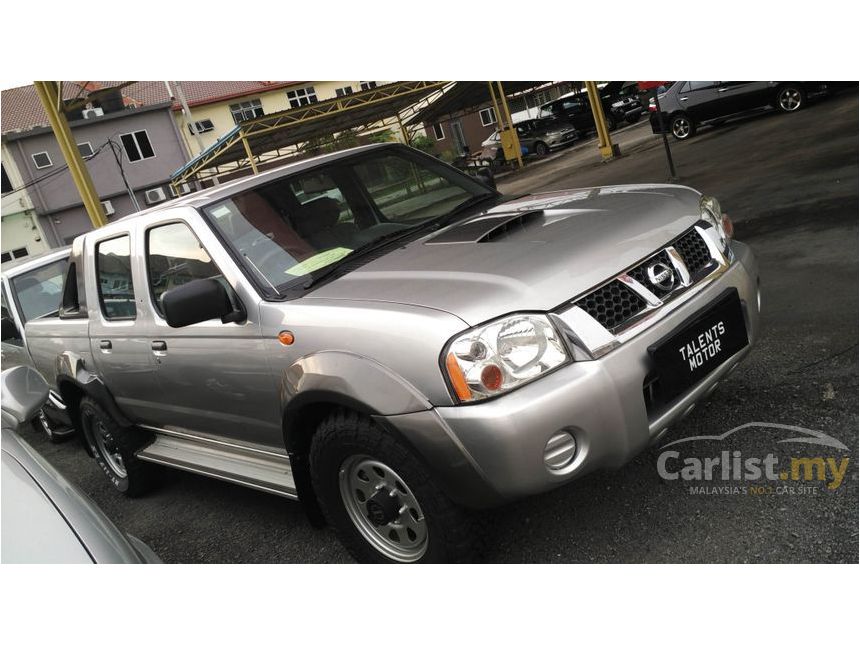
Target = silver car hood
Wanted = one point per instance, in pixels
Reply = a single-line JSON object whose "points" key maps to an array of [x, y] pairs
{"points": [[529, 254]]}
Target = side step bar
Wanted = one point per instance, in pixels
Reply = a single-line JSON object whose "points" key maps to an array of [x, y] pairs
{"points": [[265, 471]]}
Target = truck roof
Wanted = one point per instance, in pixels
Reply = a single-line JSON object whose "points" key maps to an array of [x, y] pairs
{"points": [[222, 191]]}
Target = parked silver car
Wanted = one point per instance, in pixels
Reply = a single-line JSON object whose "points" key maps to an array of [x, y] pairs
{"points": [[395, 343], [30, 289], [45, 518]]}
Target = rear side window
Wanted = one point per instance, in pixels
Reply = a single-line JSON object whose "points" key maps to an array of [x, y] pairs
{"points": [[113, 268], [175, 256], [700, 85], [38, 291]]}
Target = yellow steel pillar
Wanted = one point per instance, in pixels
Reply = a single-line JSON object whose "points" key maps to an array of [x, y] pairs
{"points": [[403, 131], [249, 153], [607, 150], [50, 98], [507, 133]]}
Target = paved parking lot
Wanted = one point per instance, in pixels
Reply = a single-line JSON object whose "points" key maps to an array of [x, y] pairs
{"points": [[790, 182]]}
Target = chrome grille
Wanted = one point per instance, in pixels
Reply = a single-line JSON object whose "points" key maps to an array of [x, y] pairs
{"points": [[612, 304], [619, 303], [693, 251]]}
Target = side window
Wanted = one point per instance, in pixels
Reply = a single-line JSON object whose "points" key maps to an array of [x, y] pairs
{"points": [[113, 269], [700, 85], [175, 256]]}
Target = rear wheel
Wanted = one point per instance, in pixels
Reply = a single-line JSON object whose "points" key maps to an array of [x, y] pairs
{"points": [[790, 98], [381, 500], [114, 449], [682, 127]]}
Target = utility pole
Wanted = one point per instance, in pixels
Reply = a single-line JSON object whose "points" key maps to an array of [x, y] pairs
{"points": [[49, 95]]}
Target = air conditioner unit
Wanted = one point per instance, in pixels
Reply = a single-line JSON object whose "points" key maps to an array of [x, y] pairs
{"points": [[184, 189], [155, 195], [106, 204], [92, 113]]}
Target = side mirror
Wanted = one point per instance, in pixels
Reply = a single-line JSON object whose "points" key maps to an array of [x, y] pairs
{"points": [[197, 301], [10, 330], [486, 177]]}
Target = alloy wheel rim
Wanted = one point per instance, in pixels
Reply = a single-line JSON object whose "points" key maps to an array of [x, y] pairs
{"points": [[383, 508], [108, 449], [681, 128], [789, 99]]}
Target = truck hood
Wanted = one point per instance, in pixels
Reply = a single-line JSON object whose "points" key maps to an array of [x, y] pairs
{"points": [[530, 254]]}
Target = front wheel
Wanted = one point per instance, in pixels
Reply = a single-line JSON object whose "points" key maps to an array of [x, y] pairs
{"points": [[381, 500], [541, 149], [682, 127], [790, 98]]}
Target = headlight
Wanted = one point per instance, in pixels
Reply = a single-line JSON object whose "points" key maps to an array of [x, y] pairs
{"points": [[712, 213], [502, 355]]}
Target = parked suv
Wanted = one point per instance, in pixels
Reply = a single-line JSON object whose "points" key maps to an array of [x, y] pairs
{"points": [[394, 343], [689, 104]]}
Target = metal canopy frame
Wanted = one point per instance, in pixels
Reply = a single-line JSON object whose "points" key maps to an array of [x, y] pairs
{"points": [[262, 140]]}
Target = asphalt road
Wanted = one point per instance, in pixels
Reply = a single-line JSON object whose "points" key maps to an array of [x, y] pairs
{"points": [[790, 182]]}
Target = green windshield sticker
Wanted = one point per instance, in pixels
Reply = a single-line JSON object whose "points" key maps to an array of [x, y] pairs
{"points": [[318, 261]]}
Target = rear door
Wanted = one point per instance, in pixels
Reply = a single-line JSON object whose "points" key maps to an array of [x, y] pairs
{"points": [[119, 348], [700, 99]]}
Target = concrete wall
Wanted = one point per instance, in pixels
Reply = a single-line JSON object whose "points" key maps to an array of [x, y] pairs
{"points": [[473, 131], [55, 197], [20, 227]]}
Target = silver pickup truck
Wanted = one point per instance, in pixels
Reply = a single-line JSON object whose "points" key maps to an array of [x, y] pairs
{"points": [[394, 343]]}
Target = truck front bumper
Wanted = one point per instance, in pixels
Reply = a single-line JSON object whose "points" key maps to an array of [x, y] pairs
{"points": [[492, 452]]}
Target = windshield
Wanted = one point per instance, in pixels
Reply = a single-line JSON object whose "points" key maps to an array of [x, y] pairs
{"points": [[297, 225], [38, 291]]}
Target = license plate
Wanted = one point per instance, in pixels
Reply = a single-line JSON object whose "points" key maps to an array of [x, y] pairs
{"points": [[703, 344]]}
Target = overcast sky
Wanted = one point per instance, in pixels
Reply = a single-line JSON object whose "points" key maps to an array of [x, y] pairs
{"points": [[5, 85]]}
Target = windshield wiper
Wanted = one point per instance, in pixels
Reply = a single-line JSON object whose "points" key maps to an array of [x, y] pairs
{"points": [[387, 238], [460, 208], [359, 251]]}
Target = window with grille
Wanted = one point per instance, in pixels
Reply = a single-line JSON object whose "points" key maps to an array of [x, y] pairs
{"points": [[302, 96], [246, 110]]}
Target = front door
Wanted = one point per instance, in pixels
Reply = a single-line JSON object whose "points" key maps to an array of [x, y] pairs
{"points": [[213, 376], [459, 138]]}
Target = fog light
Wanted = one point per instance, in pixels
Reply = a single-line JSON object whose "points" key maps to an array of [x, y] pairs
{"points": [[560, 450]]}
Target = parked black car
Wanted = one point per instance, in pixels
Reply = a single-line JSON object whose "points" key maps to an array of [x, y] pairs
{"points": [[620, 101], [689, 104]]}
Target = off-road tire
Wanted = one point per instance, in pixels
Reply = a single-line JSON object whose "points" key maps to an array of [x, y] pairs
{"points": [[453, 533], [140, 475]]}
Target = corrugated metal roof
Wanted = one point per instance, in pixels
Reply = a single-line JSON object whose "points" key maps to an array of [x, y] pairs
{"points": [[20, 108]]}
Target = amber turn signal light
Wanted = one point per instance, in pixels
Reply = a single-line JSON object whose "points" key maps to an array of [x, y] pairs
{"points": [[458, 379], [286, 338]]}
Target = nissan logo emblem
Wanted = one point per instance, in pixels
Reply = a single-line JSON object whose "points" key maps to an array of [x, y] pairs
{"points": [[661, 276]]}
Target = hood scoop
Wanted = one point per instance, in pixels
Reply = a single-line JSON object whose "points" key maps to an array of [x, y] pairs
{"points": [[487, 228]]}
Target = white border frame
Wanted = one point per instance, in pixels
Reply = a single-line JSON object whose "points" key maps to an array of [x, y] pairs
{"points": [[42, 152], [137, 145]]}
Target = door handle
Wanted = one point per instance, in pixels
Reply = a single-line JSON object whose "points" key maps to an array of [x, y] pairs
{"points": [[723, 89], [683, 98], [105, 345], [159, 346]]}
